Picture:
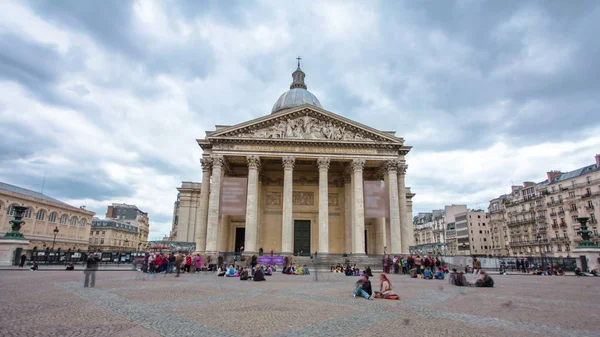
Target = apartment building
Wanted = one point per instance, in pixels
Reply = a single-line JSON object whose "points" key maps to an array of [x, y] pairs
{"points": [[539, 219], [131, 215]]}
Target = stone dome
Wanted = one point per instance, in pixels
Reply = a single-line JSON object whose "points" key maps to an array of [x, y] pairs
{"points": [[297, 95]]}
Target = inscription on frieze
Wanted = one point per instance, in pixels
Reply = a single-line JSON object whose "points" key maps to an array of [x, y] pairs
{"points": [[303, 149], [303, 198]]}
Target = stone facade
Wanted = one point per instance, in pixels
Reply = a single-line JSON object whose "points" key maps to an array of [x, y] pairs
{"points": [[43, 216], [185, 212], [305, 167], [132, 215], [112, 235], [538, 219]]}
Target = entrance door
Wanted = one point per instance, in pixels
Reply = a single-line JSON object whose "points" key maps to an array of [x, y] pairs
{"points": [[240, 238], [302, 237], [366, 240], [584, 264]]}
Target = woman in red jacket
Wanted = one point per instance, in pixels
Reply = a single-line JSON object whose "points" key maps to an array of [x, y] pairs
{"points": [[158, 262], [188, 263]]}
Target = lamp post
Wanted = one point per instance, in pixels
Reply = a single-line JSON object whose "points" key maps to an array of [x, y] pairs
{"points": [[54, 240]]}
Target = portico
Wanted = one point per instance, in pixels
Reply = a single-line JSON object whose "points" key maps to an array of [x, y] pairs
{"points": [[305, 174]]}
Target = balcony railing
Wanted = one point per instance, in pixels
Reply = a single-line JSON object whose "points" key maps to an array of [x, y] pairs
{"points": [[553, 214], [560, 239], [594, 221], [561, 212], [590, 208], [554, 203], [563, 224]]}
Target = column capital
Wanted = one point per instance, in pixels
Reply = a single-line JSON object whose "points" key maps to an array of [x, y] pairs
{"points": [[323, 163], [253, 161], [358, 164], [402, 167], [288, 162], [206, 163], [217, 160], [391, 165]]}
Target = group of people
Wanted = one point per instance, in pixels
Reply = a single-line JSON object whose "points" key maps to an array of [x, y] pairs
{"points": [[364, 289], [296, 270], [483, 279], [351, 270], [165, 263], [246, 273], [413, 265]]}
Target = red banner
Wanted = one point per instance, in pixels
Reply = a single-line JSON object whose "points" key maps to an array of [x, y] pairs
{"points": [[377, 201], [233, 196]]}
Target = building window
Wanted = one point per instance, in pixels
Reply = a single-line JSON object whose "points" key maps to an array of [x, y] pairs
{"points": [[573, 207], [102, 232], [63, 219], [101, 241], [97, 232], [571, 194], [82, 222], [90, 240], [40, 215], [95, 240], [74, 221], [52, 217], [589, 180]]}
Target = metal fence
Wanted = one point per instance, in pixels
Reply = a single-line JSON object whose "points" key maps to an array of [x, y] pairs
{"points": [[63, 257]]}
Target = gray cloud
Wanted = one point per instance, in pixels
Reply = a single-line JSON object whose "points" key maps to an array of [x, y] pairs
{"points": [[118, 109]]}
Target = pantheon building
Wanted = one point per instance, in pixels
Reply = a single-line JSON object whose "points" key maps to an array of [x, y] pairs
{"points": [[298, 180]]}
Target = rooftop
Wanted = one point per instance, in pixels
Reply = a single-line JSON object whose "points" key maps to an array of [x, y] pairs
{"points": [[29, 193]]}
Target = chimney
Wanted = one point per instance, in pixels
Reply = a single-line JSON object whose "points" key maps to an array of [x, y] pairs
{"points": [[109, 212], [552, 175], [597, 159]]}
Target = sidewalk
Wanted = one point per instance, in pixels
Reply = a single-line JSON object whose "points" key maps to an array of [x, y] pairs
{"points": [[55, 267]]}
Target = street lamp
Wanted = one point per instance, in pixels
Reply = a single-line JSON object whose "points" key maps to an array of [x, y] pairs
{"points": [[54, 240]]}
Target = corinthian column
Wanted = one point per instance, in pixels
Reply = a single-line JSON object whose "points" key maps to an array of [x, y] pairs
{"points": [[405, 230], [323, 164], [212, 233], [358, 206], [203, 209], [252, 205], [391, 167], [287, 230]]}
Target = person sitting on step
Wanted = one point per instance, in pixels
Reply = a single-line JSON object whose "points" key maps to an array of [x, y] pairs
{"points": [[244, 274]]}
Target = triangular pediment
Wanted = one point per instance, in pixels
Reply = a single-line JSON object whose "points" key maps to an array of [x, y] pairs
{"points": [[305, 123]]}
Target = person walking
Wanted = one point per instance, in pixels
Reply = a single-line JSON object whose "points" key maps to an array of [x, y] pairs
{"points": [[90, 271], [23, 259], [178, 263]]}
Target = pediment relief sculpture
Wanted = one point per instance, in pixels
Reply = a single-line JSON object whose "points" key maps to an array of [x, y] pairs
{"points": [[306, 127]]}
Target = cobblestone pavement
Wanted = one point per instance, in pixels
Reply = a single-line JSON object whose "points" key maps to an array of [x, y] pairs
{"points": [[54, 303]]}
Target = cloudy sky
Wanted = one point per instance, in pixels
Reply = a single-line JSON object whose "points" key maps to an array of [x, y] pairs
{"points": [[107, 97]]}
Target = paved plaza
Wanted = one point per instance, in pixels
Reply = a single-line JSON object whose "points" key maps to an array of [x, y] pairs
{"points": [[54, 303]]}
